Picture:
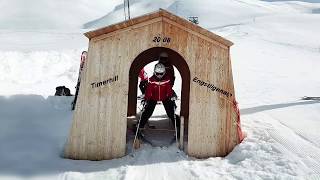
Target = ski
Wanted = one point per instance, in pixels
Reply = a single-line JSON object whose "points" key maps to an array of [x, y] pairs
{"points": [[146, 140], [82, 62]]}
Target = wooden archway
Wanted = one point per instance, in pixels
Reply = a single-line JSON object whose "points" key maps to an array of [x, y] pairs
{"points": [[148, 56]]}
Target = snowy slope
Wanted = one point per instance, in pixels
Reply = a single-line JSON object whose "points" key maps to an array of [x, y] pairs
{"points": [[137, 7], [47, 14], [275, 61], [212, 14], [187, 8], [41, 42]]}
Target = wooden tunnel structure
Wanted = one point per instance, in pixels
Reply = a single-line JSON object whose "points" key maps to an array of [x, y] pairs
{"points": [[108, 89]]}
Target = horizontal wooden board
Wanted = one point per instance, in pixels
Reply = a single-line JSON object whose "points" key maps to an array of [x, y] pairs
{"points": [[154, 15]]}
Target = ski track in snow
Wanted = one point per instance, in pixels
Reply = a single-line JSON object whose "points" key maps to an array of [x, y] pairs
{"points": [[287, 141], [147, 165], [298, 145]]}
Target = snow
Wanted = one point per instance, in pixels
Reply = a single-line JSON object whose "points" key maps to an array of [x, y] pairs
{"points": [[275, 62], [38, 72], [47, 14]]}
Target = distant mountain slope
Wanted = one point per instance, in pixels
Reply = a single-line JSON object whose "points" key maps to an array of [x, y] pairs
{"points": [[48, 14], [137, 7], [211, 13], [310, 1]]}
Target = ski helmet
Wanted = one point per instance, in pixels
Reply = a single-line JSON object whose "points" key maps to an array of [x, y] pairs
{"points": [[159, 70]]}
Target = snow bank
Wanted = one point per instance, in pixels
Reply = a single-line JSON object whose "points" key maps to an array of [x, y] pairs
{"points": [[38, 72], [34, 130], [32, 133]]}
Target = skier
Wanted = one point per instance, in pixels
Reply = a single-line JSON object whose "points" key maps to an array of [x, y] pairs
{"points": [[159, 88]]}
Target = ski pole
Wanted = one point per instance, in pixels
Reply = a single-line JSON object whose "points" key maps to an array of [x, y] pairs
{"points": [[175, 123], [138, 127]]}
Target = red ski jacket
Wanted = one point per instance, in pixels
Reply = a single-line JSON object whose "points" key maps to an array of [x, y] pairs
{"points": [[159, 90], [143, 75]]}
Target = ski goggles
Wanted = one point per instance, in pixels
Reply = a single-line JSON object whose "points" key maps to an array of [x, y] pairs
{"points": [[159, 75]]}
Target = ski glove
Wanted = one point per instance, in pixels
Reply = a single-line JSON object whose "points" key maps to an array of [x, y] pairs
{"points": [[173, 98]]}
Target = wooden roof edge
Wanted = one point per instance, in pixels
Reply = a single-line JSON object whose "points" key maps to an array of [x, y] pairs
{"points": [[194, 27], [122, 24], [152, 15]]}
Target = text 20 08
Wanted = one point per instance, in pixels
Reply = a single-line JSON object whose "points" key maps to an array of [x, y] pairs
{"points": [[157, 39]]}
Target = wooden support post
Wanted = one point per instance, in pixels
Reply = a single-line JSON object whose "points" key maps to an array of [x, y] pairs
{"points": [[181, 132]]}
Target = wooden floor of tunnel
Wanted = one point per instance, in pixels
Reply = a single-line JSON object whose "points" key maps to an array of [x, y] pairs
{"points": [[159, 130]]}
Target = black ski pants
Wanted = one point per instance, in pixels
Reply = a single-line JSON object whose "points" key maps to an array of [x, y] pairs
{"points": [[143, 85], [169, 106]]}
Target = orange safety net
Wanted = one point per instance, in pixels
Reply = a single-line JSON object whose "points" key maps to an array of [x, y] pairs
{"points": [[241, 135]]}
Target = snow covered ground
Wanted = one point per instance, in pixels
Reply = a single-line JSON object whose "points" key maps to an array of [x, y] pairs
{"points": [[275, 59]]}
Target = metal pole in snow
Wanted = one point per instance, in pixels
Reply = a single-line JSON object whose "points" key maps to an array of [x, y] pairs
{"points": [[129, 9], [124, 9]]}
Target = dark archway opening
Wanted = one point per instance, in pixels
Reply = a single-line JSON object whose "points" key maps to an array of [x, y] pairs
{"points": [[151, 55]]}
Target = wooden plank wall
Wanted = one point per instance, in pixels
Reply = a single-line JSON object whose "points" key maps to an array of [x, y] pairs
{"points": [[209, 131], [100, 119], [99, 123]]}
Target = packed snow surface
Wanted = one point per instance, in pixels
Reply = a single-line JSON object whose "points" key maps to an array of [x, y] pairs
{"points": [[275, 61]]}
